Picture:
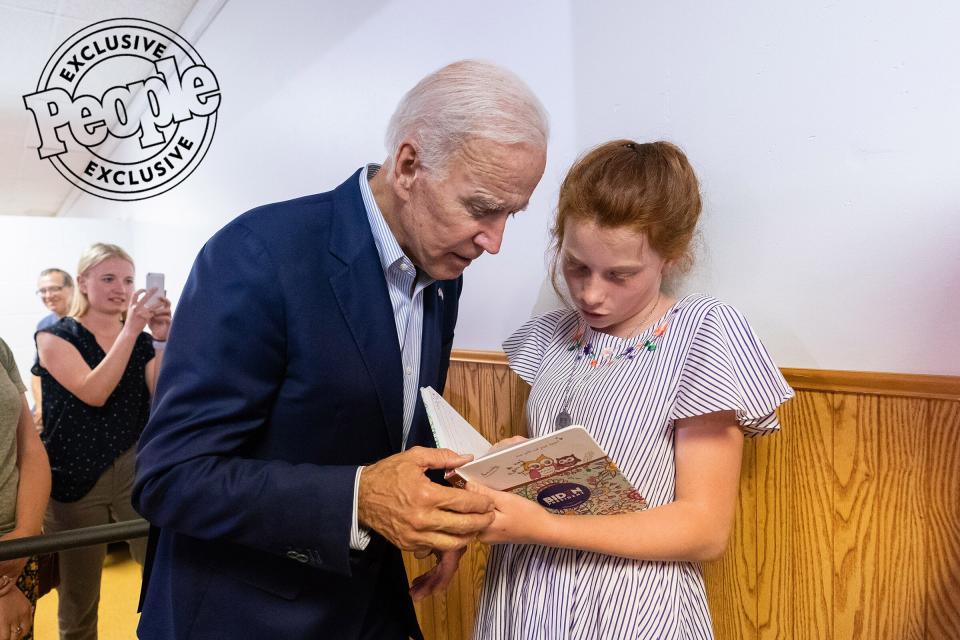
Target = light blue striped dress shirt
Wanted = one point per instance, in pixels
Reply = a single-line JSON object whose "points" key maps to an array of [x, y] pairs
{"points": [[405, 285]]}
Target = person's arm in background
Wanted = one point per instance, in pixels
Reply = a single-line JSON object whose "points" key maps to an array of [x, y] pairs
{"points": [[33, 492], [33, 489], [37, 393]]}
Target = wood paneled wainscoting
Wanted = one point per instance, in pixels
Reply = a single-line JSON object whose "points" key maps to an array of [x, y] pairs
{"points": [[848, 523]]}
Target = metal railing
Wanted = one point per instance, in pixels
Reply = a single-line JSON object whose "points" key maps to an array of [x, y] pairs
{"points": [[85, 537]]}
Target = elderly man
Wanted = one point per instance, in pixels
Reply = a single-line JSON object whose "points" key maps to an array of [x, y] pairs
{"points": [[55, 288], [285, 461]]}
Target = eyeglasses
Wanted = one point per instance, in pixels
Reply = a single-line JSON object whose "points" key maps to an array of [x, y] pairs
{"points": [[49, 290]]}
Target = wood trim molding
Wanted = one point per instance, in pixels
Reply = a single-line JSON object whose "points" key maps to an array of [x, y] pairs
{"points": [[908, 385], [475, 355]]}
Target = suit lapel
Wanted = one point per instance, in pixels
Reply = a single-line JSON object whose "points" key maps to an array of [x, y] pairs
{"points": [[361, 292]]}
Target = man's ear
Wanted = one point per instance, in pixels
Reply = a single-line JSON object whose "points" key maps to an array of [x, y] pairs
{"points": [[406, 169]]}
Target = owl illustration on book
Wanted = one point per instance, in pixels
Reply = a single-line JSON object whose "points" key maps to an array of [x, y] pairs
{"points": [[539, 467], [565, 462]]}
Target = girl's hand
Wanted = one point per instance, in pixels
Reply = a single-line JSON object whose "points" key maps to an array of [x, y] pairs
{"points": [[516, 519], [159, 322]]}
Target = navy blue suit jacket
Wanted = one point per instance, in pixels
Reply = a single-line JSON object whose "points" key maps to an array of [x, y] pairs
{"points": [[282, 374]]}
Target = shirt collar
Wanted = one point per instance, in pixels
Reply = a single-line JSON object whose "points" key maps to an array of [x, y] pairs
{"points": [[390, 252], [392, 256]]}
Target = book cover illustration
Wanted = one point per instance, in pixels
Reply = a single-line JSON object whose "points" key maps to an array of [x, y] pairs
{"points": [[591, 488]]}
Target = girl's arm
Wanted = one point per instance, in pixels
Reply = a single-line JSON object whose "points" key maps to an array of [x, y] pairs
{"points": [[694, 527]]}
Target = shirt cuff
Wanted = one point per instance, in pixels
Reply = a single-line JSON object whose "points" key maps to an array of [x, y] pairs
{"points": [[359, 536]]}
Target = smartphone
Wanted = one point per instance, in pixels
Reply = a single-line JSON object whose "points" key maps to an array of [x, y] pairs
{"points": [[155, 281]]}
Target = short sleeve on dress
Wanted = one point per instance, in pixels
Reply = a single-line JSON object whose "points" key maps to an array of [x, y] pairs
{"points": [[528, 344], [728, 368], [66, 329]]}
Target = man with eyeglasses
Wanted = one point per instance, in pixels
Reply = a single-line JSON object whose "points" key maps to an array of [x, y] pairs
{"points": [[55, 288]]}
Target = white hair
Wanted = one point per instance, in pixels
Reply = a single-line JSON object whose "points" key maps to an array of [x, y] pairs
{"points": [[464, 100]]}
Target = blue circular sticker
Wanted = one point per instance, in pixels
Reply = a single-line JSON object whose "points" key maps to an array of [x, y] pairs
{"points": [[563, 495]]}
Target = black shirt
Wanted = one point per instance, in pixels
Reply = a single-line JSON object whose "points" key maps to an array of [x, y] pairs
{"points": [[83, 440]]}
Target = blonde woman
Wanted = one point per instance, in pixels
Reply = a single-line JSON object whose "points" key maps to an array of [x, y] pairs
{"points": [[98, 369]]}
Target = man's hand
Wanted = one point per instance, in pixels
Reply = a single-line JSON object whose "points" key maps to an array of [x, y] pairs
{"points": [[399, 502], [439, 576]]}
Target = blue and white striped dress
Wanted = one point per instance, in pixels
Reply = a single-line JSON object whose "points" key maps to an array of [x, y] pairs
{"points": [[707, 360]]}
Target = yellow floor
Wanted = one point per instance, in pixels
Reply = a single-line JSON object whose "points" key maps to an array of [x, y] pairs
{"points": [[119, 593]]}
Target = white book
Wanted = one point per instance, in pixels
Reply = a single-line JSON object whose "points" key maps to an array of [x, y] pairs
{"points": [[450, 429]]}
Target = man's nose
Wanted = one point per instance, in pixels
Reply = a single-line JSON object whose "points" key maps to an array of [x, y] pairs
{"points": [[491, 236]]}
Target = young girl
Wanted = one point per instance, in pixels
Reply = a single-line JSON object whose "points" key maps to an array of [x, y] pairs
{"points": [[98, 369], [668, 387]]}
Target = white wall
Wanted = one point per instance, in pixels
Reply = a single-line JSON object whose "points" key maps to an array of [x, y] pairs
{"points": [[825, 137], [307, 93]]}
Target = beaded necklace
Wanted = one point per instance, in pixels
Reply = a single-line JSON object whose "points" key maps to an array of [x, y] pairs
{"points": [[604, 359]]}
